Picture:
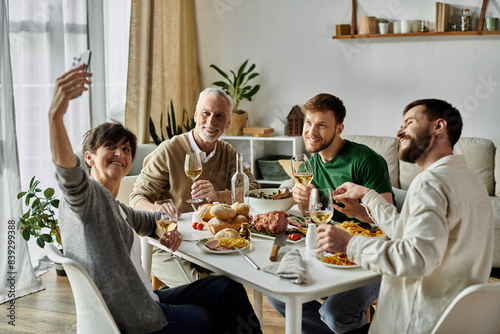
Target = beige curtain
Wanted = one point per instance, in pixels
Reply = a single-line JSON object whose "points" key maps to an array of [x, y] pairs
{"points": [[163, 64]]}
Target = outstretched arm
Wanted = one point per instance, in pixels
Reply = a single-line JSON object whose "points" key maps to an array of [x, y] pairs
{"points": [[69, 86]]}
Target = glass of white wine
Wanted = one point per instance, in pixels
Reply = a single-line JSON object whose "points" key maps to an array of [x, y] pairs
{"points": [[321, 205], [192, 168], [302, 169], [167, 222]]}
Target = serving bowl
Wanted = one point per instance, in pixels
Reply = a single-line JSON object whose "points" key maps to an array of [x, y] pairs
{"points": [[264, 205]]}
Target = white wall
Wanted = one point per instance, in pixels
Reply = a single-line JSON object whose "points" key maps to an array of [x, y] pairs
{"points": [[290, 42]]}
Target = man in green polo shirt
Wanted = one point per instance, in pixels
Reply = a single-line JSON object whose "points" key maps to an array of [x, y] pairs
{"points": [[338, 160], [335, 161]]}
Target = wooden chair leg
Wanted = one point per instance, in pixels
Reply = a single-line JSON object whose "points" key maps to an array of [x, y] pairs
{"points": [[368, 313], [156, 283]]}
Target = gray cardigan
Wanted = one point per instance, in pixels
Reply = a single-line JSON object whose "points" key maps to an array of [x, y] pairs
{"points": [[95, 235]]}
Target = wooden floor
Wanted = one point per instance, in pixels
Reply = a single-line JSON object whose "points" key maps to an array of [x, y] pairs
{"points": [[53, 311]]}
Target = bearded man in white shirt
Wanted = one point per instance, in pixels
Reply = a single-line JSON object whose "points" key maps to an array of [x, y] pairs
{"points": [[441, 242]]}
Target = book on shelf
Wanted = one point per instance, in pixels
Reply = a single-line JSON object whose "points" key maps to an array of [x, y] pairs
{"points": [[442, 16]]}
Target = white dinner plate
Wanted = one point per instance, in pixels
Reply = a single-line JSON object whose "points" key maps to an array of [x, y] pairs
{"points": [[201, 244], [319, 256]]}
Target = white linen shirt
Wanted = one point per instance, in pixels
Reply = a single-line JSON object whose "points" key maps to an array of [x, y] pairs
{"points": [[441, 243]]}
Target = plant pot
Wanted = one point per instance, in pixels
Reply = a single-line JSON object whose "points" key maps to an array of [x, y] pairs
{"points": [[383, 28], [60, 269], [238, 122]]}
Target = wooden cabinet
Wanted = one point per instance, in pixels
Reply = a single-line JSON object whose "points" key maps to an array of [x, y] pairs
{"points": [[254, 148]]}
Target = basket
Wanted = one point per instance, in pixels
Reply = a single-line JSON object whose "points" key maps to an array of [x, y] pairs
{"points": [[214, 228], [271, 169]]}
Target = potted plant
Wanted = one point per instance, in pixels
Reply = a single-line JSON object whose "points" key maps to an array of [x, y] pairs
{"points": [[383, 26], [171, 127], [238, 88], [40, 220]]}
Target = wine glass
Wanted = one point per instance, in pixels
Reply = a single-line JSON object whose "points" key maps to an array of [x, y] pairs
{"points": [[192, 168], [321, 205], [302, 169], [167, 222]]}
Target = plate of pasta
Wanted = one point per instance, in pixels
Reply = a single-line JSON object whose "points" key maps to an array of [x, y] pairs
{"points": [[371, 231], [337, 260]]}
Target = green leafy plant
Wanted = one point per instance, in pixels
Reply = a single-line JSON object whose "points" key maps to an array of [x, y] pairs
{"points": [[171, 128], [40, 215], [383, 21], [237, 87]]}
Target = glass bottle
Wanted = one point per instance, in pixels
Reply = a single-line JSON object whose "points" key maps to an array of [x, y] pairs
{"points": [[239, 182], [465, 20], [245, 231]]}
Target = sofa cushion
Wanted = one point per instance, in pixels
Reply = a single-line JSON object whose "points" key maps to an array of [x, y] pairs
{"points": [[407, 173], [495, 202], [497, 171], [479, 154], [387, 147], [143, 150]]}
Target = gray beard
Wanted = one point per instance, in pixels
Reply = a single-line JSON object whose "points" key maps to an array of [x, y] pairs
{"points": [[210, 139]]}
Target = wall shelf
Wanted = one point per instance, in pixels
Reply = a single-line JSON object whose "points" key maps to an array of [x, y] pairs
{"points": [[479, 31], [420, 34], [254, 148]]}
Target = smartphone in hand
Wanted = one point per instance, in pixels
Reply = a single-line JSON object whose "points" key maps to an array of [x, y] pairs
{"points": [[82, 58]]}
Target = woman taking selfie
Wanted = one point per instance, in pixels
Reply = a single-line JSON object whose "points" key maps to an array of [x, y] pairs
{"points": [[101, 234]]}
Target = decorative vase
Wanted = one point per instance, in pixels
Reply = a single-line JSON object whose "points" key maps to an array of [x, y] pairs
{"points": [[238, 122]]}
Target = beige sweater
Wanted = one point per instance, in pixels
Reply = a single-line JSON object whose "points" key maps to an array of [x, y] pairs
{"points": [[163, 174]]}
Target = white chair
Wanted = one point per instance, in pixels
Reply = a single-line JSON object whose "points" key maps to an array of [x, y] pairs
{"points": [[474, 310], [92, 313]]}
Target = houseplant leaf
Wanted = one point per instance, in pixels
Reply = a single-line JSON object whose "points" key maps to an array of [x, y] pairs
{"points": [[220, 72]]}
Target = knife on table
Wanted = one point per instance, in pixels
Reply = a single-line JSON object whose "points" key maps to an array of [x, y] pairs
{"points": [[280, 241]]}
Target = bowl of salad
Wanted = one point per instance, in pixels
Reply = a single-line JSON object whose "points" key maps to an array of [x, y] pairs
{"points": [[265, 200]]}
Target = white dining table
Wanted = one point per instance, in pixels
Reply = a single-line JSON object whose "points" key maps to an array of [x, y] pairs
{"points": [[322, 280]]}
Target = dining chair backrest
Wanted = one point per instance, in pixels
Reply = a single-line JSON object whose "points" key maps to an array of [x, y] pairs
{"points": [[474, 310], [92, 313]]}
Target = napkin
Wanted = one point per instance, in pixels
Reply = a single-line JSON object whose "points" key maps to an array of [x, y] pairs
{"points": [[291, 267]]}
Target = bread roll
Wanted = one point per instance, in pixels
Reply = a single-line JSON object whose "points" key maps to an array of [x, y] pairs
{"points": [[227, 233], [204, 211], [223, 211], [216, 221], [239, 219], [241, 208]]}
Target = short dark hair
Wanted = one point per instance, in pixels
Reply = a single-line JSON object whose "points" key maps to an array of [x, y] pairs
{"points": [[435, 109], [112, 132], [325, 102]]}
